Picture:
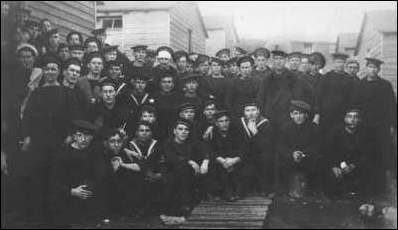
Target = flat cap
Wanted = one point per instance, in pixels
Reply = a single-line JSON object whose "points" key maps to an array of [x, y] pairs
{"points": [[139, 47], [165, 48], [83, 125], [374, 61], [341, 56], [279, 53], [223, 51], [295, 54], [28, 46], [98, 31], [300, 105], [185, 106], [261, 52], [245, 59], [317, 58]]}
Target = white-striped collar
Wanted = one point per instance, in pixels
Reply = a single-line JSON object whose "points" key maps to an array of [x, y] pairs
{"points": [[142, 101], [150, 149]]}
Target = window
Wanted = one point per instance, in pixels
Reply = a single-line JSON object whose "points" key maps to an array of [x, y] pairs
{"points": [[189, 40], [112, 22]]}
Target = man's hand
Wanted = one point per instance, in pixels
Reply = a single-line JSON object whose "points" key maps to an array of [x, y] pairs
{"points": [[208, 135], [116, 163], [337, 172], [132, 153], [348, 169], [26, 144], [4, 166], [81, 192], [297, 156], [251, 125], [316, 119], [195, 166]]}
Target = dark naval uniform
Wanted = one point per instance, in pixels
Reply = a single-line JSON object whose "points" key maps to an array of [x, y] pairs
{"points": [[332, 98], [379, 108], [258, 158], [352, 148], [241, 91]]}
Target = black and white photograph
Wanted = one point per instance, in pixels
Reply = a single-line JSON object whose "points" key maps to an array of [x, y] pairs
{"points": [[198, 114]]}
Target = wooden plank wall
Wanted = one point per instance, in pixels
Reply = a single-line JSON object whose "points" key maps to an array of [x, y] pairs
{"points": [[370, 44], [184, 16], [389, 56], [141, 27], [65, 15]]}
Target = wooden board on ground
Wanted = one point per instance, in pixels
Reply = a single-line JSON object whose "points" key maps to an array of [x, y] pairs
{"points": [[248, 213]]}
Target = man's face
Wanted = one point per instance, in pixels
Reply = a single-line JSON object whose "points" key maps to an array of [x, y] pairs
{"points": [[46, 26], [305, 65], [115, 72], [352, 69], [279, 62], [101, 37], [143, 133], [82, 139], [352, 120], [110, 55], [140, 55], [164, 61], [167, 84], [314, 68], [26, 58], [72, 73], [233, 68], [261, 62], [96, 65], [188, 114], [108, 94], [140, 85], [372, 70], [294, 63], [245, 68], [148, 117], [181, 132], [50, 73], [189, 68], [251, 112], [79, 54], [298, 117], [54, 40], [114, 144], [92, 47], [191, 86], [223, 123], [34, 31], [204, 68], [74, 40], [209, 111], [339, 65], [182, 63], [215, 68], [64, 54]]}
